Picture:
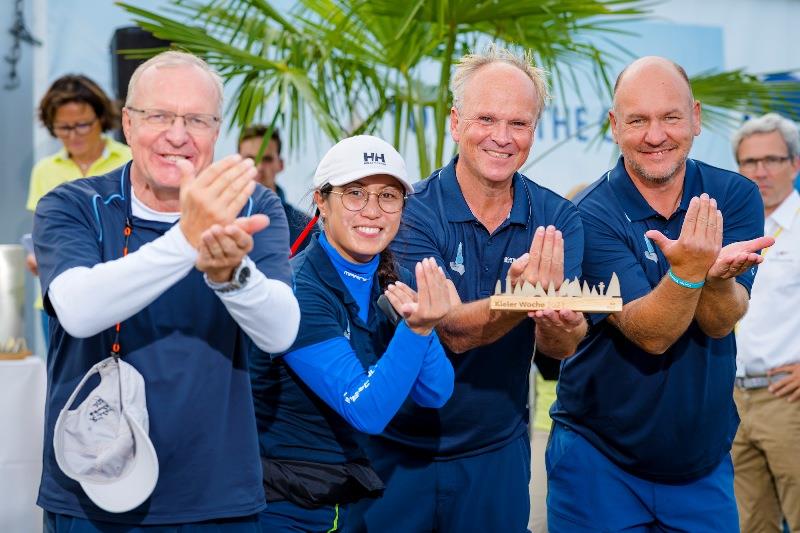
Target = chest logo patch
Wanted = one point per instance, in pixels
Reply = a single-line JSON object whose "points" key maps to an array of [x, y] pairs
{"points": [[650, 253], [458, 264]]}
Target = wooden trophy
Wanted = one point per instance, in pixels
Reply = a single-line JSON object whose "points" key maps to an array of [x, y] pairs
{"points": [[571, 295]]}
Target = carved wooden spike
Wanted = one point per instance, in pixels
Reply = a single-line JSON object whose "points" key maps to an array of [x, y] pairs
{"points": [[498, 288], [551, 289], [574, 288], [527, 289], [613, 287], [508, 285], [585, 291], [594, 292], [563, 291], [538, 290]]}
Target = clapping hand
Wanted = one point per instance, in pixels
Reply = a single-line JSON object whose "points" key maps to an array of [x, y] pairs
{"points": [[422, 310], [214, 196], [543, 263], [700, 241], [222, 248]]}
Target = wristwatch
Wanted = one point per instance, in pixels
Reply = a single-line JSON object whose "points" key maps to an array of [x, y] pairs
{"points": [[238, 281]]}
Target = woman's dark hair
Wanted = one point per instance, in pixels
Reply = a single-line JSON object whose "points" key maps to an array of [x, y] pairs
{"points": [[79, 89], [387, 268]]}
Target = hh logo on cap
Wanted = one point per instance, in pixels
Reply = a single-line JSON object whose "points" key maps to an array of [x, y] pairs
{"points": [[372, 158]]}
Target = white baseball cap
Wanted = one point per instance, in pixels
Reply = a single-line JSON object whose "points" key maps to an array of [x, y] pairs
{"points": [[358, 157], [104, 443]]}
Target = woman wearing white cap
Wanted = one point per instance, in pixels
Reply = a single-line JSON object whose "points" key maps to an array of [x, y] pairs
{"points": [[356, 359]]}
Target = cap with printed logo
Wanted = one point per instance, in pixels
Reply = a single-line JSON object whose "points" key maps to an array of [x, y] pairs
{"points": [[358, 157], [104, 444]]}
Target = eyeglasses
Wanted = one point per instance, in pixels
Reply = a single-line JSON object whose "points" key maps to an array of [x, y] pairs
{"points": [[390, 200], [770, 162], [160, 120], [81, 128]]}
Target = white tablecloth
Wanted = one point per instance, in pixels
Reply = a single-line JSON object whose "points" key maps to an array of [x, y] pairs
{"points": [[23, 386]]}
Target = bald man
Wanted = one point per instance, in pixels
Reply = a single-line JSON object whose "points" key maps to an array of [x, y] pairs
{"points": [[645, 416]]}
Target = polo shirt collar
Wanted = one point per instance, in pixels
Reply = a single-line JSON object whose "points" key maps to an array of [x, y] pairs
{"points": [[786, 213], [634, 204], [459, 211]]}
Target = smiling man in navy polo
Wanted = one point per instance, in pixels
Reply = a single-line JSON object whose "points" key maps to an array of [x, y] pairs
{"points": [[645, 415], [466, 466]]}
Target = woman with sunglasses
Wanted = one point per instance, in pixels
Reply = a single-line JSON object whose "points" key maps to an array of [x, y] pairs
{"points": [[77, 112], [358, 356]]}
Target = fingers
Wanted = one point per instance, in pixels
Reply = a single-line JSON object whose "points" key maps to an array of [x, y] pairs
{"points": [[517, 268], [546, 259], [756, 245], [711, 224], [400, 300], [531, 271], [690, 220], [703, 218], [786, 386], [252, 224], [187, 172]]}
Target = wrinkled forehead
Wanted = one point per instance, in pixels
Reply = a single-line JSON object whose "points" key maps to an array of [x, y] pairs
{"points": [[176, 88]]}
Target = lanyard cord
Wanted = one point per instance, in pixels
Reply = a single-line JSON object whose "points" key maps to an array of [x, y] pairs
{"points": [[115, 346]]}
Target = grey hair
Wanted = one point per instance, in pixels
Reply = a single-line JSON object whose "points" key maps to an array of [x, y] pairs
{"points": [[493, 53], [767, 124], [171, 59]]}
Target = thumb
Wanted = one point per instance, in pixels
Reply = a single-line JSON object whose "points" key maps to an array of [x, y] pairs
{"points": [[518, 266], [658, 238], [252, 224], [187, 171]]}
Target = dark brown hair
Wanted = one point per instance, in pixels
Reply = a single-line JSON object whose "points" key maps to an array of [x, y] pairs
{"points": [[387, 268], [79, 89], [257, 131]]}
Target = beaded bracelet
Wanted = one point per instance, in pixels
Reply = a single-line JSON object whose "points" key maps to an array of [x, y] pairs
{"points": [[684, 283]]}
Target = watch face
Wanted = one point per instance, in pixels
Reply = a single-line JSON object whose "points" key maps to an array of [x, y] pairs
{"points": [[244, 275]]}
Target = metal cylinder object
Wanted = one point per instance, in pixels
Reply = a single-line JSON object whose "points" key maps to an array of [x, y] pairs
{"points": [[12, 292]]}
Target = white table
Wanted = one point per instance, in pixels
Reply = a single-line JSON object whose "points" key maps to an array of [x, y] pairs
{"points": [[23, 385]]}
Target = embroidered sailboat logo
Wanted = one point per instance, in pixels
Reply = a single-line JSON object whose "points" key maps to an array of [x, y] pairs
{"points": [[458, 264]]}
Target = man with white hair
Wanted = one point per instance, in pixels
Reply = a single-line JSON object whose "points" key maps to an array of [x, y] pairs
{"points": [[166, 264], [765, 450], [466, 466]]}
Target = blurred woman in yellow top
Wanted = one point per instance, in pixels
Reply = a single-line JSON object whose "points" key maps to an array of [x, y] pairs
{"points": [[77, 112]]}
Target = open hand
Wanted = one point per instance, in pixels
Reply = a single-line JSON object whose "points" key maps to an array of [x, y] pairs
{"points": [[215, 196], [544, 262], [737, 258], [696, 249], [422, 310]]}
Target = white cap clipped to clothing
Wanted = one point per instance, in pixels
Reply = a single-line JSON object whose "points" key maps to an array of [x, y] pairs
{"points": [[358, 157], [104, 444]]}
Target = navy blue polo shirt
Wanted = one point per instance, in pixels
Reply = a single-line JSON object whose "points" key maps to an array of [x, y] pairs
{"points": [[488, 407], [293, 422], [671, 417], [188, 348]]}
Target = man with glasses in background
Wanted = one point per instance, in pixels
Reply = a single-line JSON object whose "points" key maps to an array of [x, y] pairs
{"points": [[765, 450], [269, 166], [166, 263]]}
